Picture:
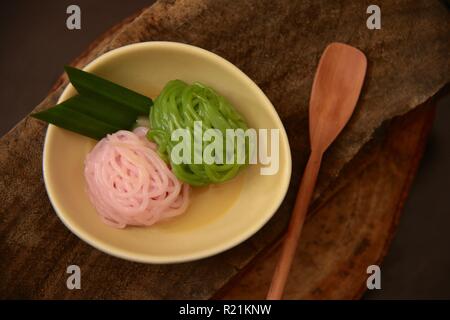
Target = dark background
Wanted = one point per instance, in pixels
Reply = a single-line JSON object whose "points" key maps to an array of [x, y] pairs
{"points": [[35, 45]]}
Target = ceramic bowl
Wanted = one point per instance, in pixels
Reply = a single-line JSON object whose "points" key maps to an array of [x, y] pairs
{"points": [[220, 216]]}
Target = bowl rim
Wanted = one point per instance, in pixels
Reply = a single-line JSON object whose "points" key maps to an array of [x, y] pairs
{"points": [[107, 248]]}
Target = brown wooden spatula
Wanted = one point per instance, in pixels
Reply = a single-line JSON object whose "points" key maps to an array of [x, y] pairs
{"points": [[335, 91]]}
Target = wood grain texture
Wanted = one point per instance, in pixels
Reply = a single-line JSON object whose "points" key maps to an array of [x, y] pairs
{"points": [[354, 227], [277, 45]]}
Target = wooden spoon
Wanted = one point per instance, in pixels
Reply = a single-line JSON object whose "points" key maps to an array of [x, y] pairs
{"points": [[335, 91]]}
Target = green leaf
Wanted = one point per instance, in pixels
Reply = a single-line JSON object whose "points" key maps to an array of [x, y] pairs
{"points": [[90, 84], [75, 121], [101, 109]]}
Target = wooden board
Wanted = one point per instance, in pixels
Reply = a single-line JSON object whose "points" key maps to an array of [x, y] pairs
{"points": [[353, 228], [35, 248]]}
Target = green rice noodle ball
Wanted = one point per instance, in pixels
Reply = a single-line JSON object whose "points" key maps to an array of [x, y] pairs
{"points": [[179, 106]]}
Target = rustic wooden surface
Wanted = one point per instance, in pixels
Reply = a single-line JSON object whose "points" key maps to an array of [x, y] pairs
{"points": [[278, 46], [354, 226]]}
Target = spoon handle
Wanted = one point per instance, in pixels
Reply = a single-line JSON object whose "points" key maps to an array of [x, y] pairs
{"points": [[295, 226]]}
